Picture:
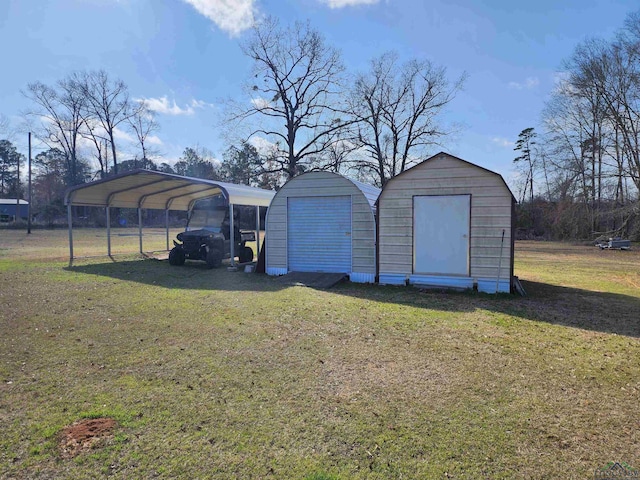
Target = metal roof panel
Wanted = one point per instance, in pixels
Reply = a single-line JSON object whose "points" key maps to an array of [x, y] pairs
{"points": [[150, 189]]}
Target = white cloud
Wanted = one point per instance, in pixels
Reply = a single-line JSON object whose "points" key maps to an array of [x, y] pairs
{"points": [[347, 3], [260, 103], [201, 104], [561, 77], [529, 83], [231, 16], [122, 135], [263, 145], [153, 140], [503, 142], [164, 106]]}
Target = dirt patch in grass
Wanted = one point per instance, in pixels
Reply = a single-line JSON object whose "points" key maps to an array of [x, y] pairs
{"points": [[85, 435]]}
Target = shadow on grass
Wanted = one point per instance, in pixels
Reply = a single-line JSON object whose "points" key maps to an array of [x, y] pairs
{"points": [[592, 310], [192, 275], [571, 307]]}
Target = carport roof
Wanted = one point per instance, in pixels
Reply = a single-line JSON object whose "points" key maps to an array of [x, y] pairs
{"points": [[162, 191]]}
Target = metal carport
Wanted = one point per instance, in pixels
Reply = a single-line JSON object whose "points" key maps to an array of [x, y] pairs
{"points": [[161, 191]]}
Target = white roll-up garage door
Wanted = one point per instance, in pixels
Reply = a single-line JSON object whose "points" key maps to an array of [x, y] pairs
{"points": [[319, 234]]}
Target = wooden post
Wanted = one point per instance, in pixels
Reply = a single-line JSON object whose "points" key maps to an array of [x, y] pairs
{"points": [[17, 215]]}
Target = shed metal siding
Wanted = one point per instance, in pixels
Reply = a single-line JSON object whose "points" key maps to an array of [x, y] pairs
{"points": [[443, 174], [323, 184]]}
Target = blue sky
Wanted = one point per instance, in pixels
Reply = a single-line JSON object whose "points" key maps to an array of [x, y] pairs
{"points": [[184, 55]]}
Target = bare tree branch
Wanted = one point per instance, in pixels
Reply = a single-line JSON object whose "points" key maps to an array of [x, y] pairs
{"points": [[397, 110], [298, 79], [107, 100]]}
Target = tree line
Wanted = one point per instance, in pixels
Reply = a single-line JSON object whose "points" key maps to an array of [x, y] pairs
{"points": [[580, 176], [579, 173], [303, 111]]}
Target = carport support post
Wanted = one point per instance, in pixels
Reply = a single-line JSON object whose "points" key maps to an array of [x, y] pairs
{"points": [[166, 222], [257, 232], [69, 217], [232, 236], [108, 230], [140, 227]]}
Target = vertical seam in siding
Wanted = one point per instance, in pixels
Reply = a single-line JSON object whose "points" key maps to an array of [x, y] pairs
{"points": [[286, 233], [351, 225], [469, 230]]}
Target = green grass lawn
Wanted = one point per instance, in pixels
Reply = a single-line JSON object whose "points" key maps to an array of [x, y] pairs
{"points": [[217, 374]]}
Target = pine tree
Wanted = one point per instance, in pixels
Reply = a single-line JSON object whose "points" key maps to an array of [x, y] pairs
{"points": [[526, 139]]}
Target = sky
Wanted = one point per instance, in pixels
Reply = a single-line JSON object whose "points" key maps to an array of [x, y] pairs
{"points": [[184, 57]]}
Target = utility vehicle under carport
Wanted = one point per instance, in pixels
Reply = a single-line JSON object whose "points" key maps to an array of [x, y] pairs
{"points": [[208, 235]]}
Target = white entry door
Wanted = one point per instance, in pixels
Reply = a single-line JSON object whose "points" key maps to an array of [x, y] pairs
{"points": [[441, 234], [319, 234]]}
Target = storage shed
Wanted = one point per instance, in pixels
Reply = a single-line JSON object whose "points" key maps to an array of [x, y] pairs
{"points": [[323, 222], [447, 223]]}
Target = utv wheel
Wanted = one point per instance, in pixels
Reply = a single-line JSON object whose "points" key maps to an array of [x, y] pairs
{"points": [[246, 255], [214, 258], [176, 256]]}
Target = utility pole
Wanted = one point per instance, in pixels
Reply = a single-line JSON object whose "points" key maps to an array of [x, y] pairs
{"points": [[17, 215], [29, 192]]}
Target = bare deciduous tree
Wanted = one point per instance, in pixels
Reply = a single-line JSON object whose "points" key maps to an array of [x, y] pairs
{"points": [[295, 93], [613, 71], [92, 131], [396, 108], [107, 101], [593, 135], [61, 120], [143, 123]]}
